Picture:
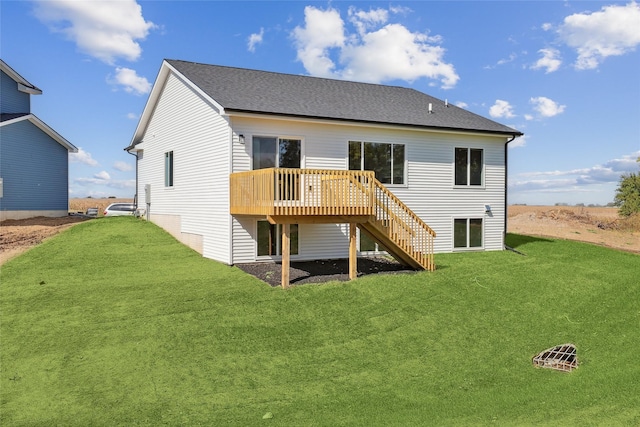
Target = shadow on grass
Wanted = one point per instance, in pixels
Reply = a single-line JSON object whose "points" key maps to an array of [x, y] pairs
{"points": [[517, 240]]}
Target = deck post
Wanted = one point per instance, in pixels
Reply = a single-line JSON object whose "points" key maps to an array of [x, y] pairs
{"points": [[286, 249], [353, 254]]}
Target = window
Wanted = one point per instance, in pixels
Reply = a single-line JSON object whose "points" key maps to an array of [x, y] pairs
{"points": [[270, 239], [467, 233], [168, 169], [367, 244], [469, 166], [386, 160], [271, 152]]}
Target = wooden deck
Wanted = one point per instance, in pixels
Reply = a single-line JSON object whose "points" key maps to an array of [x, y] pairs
{"points": [[296, 196], [302, 192]]}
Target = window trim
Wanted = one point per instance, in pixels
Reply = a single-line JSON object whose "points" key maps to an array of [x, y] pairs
{"points": [[169, 169], [278, 242], [278, 138], [468, 185], [467, 247], [405, 165]]}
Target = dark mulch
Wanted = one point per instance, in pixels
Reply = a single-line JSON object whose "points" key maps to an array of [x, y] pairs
{"points": [[322, 270]]}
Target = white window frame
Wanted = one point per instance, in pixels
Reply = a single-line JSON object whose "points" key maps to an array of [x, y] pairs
{"points": [[278, 138], [278, 243], [169, 169], [362, 157], [466, 247], [468, 185]]}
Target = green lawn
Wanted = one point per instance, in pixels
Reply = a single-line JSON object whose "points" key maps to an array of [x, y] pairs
{"points": [[115, 323]]}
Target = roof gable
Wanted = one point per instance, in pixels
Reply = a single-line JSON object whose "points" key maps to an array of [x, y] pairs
{"points": [[23, 84], [9, 119]]}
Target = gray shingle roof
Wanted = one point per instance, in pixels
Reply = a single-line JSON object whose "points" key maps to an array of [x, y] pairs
{"points": [[244, 90]]}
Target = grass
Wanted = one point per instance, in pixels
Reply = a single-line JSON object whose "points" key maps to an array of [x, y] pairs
{"points": [[115, 323]]}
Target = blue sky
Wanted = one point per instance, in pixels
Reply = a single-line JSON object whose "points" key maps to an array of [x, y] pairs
{"points": [[565, 73]]}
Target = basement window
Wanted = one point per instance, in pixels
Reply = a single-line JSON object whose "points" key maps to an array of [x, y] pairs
{"points": [[467, 233], [270, 239]]}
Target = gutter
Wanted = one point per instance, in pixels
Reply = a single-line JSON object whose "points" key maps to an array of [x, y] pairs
{"points": [[362, 122]]}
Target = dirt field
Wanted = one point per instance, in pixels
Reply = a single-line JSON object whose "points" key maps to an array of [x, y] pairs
{"points": [[594, 225], [597, 225], [16, 236]]}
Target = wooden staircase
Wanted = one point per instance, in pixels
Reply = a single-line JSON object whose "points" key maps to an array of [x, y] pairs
{"points": [[402, 233]]}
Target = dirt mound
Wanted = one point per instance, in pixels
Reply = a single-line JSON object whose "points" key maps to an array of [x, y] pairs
{"points": [[18, 235], [597, 225]]}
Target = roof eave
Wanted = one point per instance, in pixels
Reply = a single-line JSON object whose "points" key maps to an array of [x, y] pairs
{"points": [[45, 128], [514, 133], [23, 84]]}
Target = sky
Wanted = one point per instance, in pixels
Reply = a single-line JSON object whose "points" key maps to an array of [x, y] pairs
{"points": [[565, 73]]}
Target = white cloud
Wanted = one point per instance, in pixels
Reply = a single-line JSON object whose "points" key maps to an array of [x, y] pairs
{"points": [[103, 175], [547, 26], [375, 51], [105, 30], [461, 104], [512, 57], [612, 31], [122, 166], [520, 141], [501, 109], [576, 179], [131, 82], [83, 157], [132, 116], [97, 181], [255, 39], [367, 20], [550, 60], [546, 107], [323, 30]]}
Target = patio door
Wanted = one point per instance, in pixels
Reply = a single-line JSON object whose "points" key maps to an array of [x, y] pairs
{"points": [[272, 152]]}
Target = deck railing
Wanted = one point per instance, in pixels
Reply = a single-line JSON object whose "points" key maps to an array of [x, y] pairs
{"points": [[403, 227], [283, 191]]}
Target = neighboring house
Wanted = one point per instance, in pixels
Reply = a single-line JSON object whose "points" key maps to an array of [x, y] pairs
{"points": [[228, 159], [34, 159]]}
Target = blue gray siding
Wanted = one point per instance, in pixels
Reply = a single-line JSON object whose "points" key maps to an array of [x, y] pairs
{"points": [[34, 168], [12, 100]]}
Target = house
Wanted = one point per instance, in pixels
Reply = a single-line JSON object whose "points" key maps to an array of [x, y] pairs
{"points": [[236, 162], [34, 158]]}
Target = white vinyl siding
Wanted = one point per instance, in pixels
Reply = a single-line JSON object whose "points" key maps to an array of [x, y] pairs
{"points": [[429, 189], [198, 202]]}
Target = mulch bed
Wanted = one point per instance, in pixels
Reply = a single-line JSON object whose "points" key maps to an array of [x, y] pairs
{"points": [[322, 270]]}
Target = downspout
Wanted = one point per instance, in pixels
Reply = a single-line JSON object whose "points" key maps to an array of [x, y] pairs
{"points": [[506, 175], [135, 197]]}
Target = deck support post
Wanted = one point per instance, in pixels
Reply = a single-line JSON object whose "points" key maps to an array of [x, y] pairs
{"points": [[353, 254], [286, 249]]}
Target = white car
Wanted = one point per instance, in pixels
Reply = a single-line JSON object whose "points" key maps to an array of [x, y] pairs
{"points": [[120, 209]]}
